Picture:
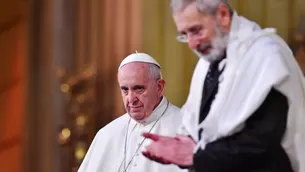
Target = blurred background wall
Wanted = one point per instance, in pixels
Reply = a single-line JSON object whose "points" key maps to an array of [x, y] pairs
{"points": [[13, 40], [58, 66]]}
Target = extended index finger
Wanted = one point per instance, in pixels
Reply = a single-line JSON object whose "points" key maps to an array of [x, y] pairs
{"points": [[153, 137]]}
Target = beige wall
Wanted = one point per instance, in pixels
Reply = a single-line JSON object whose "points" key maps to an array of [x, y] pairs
{"points": [[281, 14]]}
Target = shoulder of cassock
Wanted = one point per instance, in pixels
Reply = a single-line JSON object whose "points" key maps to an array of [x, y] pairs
{"points": [[172, 117], [104, 145]]}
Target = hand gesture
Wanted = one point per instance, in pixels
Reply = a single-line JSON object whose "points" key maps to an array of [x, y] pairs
{"points": [[169, 150]]}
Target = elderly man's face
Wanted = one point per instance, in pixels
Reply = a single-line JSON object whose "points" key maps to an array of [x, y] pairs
{"points": [[141, 93], [205, 34]]}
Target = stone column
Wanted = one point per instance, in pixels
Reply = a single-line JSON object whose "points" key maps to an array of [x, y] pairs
{"points": [[40, 137], [51, 47]]}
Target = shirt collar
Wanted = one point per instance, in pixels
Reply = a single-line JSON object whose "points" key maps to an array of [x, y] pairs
{"points": [[156, 114]]}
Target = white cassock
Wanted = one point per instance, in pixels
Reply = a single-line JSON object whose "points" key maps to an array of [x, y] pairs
{"points": [[257, 60], [107, 151]]}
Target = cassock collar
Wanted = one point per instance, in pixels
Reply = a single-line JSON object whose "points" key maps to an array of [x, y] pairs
{"points": [[156, 114]]}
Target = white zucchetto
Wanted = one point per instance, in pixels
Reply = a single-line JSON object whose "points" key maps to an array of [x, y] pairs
{"points": [[139, 57]]}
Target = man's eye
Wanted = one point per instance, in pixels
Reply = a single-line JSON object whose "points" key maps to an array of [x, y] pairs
{"points": [[182, 34], [124, 90], [195, 30], [139, 89]]}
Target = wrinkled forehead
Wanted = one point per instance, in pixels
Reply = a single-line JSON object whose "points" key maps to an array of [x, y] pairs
{"points": [[189, 17], [135, 70]]}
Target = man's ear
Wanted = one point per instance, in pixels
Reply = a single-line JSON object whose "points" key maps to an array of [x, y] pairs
{"points": [[161, 85], [223, 16]]}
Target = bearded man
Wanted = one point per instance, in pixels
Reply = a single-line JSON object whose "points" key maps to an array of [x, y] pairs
{"points": [[246, 109]]}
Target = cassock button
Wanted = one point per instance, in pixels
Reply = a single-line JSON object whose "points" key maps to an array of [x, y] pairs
{"points": [[134, 165]]}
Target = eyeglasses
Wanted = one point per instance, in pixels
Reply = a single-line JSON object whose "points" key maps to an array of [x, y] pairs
{"points": [[194, 32]]}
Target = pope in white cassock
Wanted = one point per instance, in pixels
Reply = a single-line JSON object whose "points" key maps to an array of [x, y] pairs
{"points": [[117, 147], [246, 107]]}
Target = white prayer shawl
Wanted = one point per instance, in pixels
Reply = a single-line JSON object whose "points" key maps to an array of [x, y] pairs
{"points": [[106, 152], [257, 60]]}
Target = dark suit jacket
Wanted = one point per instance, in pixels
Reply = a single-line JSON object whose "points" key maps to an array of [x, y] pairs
{"points": [[257, 148]]}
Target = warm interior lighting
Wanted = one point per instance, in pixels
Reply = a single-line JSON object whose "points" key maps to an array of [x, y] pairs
{"points": [[64, 88], [81, 120]]}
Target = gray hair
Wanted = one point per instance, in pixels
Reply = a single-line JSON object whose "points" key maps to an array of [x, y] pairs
{"points": [[205, 6], [155, 71]]}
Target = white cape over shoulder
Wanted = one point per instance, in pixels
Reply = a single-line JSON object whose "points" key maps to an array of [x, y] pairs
{"points": [[106, 152], [257, 60]]}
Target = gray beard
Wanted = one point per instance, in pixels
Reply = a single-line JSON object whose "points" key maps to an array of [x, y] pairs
{"points": [[219, 45]]}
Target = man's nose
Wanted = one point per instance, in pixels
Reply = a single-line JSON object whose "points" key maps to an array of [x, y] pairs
{"points": [[131, 97], [193, 43]]}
